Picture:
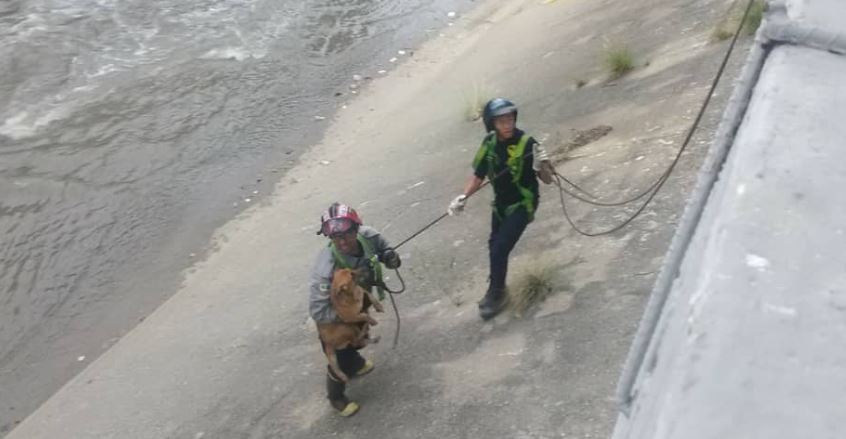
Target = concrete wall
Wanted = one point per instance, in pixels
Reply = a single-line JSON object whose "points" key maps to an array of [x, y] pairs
{"points": [[746, 334]]}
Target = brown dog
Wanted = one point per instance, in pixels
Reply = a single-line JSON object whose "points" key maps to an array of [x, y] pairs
{"points": [[350, 302]]}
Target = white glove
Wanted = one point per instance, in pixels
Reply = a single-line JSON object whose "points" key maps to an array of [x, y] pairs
{"points": [[539, 156], [457, 205]]}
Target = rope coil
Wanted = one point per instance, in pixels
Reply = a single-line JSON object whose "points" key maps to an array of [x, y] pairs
{"points": [[650, 192]]}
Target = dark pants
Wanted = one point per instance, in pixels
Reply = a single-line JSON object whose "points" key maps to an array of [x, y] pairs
{"points": [[505, 232], [350, 362]]}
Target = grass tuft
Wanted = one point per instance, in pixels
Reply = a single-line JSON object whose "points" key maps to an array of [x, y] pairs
{"points": [[728, 25], [619, 60], [533, 284]]}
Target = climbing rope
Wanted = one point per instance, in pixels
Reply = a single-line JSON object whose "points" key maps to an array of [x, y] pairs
{"points": [[560, 179], [394, 304], [655, 187], [650, 192]]}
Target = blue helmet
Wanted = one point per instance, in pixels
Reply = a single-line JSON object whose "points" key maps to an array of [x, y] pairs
{"points": [[497, 107]]}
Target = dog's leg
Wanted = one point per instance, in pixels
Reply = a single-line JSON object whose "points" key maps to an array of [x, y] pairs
{"points": [[333, 363], [362, 317], [366, 339], [370, 320], [376, 305]]}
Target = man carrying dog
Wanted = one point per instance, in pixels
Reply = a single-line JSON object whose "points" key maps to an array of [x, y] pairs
{"points": [[512, 161], [355, 246]]}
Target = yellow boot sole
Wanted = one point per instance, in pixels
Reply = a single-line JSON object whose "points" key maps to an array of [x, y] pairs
{"points": [[367, 368], [349, 410]]}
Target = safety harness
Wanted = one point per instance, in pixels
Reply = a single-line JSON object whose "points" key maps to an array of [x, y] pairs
{"points": [[373, 260], [515, 163]]}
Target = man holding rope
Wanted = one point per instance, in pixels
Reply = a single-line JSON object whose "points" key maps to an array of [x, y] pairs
{"points": [[512, 161], [358, 247]]}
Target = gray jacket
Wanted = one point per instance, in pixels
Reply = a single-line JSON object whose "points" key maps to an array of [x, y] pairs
{"points": [[320, 280]]}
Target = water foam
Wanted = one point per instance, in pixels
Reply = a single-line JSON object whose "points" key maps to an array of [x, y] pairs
{"points": [[236, 53], [23, 125]]}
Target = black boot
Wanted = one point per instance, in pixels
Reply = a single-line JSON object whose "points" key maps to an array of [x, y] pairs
{"points": [[335, 392], [493, 302]]}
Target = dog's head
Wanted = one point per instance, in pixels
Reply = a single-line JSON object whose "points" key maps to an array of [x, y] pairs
{"points": [[344, 281]]}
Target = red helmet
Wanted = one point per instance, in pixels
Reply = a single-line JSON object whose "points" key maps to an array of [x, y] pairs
{"points": [[339, 218]]}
